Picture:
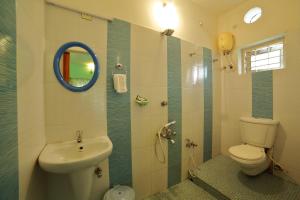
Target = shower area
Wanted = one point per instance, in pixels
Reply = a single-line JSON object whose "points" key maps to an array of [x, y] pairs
{"points": [[168, 133]]}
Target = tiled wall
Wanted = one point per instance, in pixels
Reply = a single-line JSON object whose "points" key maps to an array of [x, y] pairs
{"points": [[262, 94], [192, 80], [9, 185], [155, 75], [148, 79], [158, 68], [30, 80], [118, 105], [174, 108], [208, 104], [67, 111]]}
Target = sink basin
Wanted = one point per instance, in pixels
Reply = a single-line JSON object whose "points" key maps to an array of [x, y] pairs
{"points": [[68, 157]]}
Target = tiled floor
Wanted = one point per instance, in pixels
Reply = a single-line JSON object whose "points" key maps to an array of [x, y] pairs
{"points": [[185, 190], [221, 178], [224, 175]]}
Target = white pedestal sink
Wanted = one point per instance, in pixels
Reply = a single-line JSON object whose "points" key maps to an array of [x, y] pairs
{"points": [[78, 160]]}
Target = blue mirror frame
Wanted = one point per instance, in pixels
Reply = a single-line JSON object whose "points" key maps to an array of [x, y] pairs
{"points": [[56, 66]]}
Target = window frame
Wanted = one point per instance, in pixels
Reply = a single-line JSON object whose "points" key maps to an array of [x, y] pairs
{"points": [[246, 63]]}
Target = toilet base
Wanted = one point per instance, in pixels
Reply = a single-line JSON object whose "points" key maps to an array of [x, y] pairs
{"points": [[253, 170]]}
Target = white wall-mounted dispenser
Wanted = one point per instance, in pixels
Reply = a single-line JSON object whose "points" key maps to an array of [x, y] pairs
{"points": [[120, 83]]}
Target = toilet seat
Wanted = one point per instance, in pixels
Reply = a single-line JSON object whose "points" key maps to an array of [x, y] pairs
{"points": [[248, 154]]}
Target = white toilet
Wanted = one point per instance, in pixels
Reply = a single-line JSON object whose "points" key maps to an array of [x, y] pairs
{"points": [[258, 136]]}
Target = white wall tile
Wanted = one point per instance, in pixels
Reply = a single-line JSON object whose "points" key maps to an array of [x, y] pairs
{"points": [[148, 79], [30, 97], [68, 111], [192, 106]]}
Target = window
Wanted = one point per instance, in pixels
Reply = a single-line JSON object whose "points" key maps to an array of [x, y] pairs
{"points": [[264, 56]]}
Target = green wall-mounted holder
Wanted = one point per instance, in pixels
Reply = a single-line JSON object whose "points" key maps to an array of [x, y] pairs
{"points": [[142, 101]]}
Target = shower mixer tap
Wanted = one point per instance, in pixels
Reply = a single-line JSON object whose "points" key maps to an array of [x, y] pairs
{"points": [[167, 133], [169, 124], [190, 143]]}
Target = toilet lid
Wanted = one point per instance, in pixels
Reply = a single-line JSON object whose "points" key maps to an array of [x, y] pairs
{"points": [[247, 152]]}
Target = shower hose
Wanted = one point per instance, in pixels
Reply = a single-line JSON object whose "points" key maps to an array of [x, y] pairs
{"points": [[158, 139], [163, 159]]}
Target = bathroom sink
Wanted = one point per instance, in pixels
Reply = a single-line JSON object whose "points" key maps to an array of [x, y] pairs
{"points": [[69, 157]]}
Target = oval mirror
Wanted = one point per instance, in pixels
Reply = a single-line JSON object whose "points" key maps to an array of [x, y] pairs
{"points": [[76, 66]]}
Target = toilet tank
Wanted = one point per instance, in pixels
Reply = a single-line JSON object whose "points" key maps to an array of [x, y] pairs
{"points": [[258, 131]]}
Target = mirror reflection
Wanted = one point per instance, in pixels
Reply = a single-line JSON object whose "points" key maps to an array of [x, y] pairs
{"points": [[77, 67]]}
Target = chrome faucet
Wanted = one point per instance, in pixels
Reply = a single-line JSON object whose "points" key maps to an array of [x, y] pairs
{"points": [[190, 143], [167, 133], [79, 136]]}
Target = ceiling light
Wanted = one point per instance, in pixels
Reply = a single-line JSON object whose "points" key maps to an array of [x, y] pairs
{"points": [[252, 15], [166, 16]]}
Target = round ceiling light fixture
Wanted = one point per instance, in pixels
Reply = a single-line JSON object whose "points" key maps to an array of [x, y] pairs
{"points": [[252, 15]]}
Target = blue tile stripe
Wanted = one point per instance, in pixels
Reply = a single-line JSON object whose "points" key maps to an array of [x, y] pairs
{"points": [[174, 108], [9, 187], [262, 94], [118, 105], [208, 107]]}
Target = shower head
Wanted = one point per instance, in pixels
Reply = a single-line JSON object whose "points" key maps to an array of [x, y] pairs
{"points": [[167, 32]]}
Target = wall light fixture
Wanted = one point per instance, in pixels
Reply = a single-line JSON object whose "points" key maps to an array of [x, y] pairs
{"points": [[166, 16]]}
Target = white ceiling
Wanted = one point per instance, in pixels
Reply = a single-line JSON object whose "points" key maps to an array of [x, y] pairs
{"points": [[218, 6]]}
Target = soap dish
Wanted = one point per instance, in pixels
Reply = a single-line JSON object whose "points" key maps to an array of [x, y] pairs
{"points": [[142, 101]]}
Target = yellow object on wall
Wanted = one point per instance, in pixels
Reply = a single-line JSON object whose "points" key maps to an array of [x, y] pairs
{"points": [[225, 42]]}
